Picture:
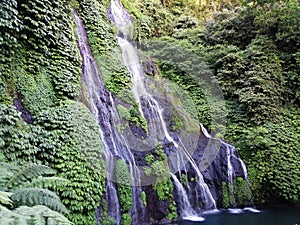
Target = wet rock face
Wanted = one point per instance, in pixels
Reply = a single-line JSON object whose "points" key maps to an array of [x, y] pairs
{"points": [[156, 211], [214, 173], [26, 116], [149, 68], [212, 158]]}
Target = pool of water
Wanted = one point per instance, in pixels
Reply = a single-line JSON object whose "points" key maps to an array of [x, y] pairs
{"points": [[271, 215]]}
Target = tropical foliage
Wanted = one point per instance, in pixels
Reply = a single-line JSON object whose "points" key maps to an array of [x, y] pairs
{"points": [[248, 50], [20, 186]]}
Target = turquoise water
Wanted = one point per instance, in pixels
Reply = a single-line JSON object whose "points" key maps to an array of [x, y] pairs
{"points": [[272, 215]]}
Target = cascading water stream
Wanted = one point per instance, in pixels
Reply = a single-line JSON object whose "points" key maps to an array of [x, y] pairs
{"points": [[102, 106], [186, 208], [115, 146], [235, 168], [157, 125], [92, 78]]}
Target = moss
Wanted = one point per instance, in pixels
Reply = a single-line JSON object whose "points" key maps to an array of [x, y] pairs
{"points": [[103, 42], [184, 179], [176, 123], [164, 189], [225, 196], [147, 171], [123, 112], [137, 119], [149, 158], [144, 198], [173, 211], [123, 185], [105, 219], [241, 191], [127, 96], [126, 219]]}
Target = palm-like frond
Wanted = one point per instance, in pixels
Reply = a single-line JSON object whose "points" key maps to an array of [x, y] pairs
{"points": [[5, 198], [47, 182], [27, 173], [7, 171], [38, 196], [27, 184], [37, 215]]}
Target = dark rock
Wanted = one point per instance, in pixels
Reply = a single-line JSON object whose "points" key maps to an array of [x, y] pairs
{"points": [[26, 116]]}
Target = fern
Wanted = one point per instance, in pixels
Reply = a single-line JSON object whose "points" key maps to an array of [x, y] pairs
{"points": [[36, 215], [27, 173], [7, 171], [47, 182], [5, 198], [38, 196]]}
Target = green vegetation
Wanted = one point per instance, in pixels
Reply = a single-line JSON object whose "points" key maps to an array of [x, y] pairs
{"points": [[137, 119], [184, 179], [225, 196], [26, 185], [241, 191], [236, 194], [124, 185], [163, 185], [126, 219], [144, 198], [41, 67], [67, 139], [132, 116], [258, 80], [36, 215], [105, 219], [173, 211], [104, 45], [252, 53], [248, 49], [123, 112]]}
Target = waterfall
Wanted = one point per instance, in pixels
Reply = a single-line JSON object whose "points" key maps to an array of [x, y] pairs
{"points": [[158, 128], [196, 195], [101, 104], [204, 131], [185, 205], [157, 125]]}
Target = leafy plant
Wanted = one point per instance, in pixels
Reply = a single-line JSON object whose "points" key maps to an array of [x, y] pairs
{"points": [[124, 185], [126, 219], [36, 215], [21, 181], [144, 198]]}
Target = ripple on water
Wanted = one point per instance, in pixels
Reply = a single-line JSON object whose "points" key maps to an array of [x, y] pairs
{"points": [[235, 211], [194, 218], [250, 209]]}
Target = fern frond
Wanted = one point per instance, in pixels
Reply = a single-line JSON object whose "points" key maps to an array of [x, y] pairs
{"points": [[38, 196], [37, 215], [27, 173], [7, 171], [48, 182], [5, 198], [10, 217]]}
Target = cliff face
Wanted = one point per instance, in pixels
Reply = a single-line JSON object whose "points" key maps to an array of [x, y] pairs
{"points": [[47, 116]]}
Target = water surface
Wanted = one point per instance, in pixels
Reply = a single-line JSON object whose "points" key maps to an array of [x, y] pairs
{"points": [[271, 215]]}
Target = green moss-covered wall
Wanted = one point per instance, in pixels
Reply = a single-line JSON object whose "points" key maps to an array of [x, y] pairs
{"points": [[40, 74]]}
